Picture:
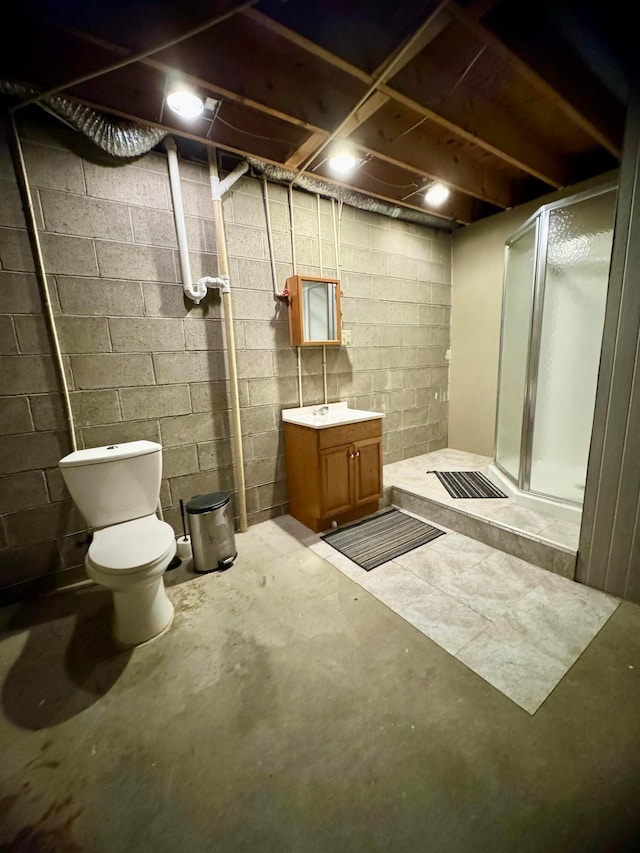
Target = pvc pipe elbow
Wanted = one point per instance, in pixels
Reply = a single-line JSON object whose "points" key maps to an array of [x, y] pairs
{"points": [[195, 292]]}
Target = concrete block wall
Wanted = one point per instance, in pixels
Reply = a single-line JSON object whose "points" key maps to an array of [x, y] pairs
{"points": [[144, 362]]}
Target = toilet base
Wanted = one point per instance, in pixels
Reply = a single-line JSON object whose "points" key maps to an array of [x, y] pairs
{"points": [[141, 612]]}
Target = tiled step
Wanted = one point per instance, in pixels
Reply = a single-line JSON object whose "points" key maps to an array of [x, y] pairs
{"points": [[535, 548]]}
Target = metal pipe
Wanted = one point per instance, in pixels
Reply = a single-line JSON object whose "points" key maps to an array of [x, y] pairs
{"points": [[41, 272], [292, 229], [267, 213], [337, 224], [324, 349], [223, 270], [324, 374], [294, 265]]}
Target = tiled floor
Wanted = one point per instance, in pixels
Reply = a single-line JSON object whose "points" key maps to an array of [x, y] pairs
{"points": [[411, 475], [516, 625]]}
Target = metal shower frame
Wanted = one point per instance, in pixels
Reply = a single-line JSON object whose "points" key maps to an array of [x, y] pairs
{"points": [[539, 221]]}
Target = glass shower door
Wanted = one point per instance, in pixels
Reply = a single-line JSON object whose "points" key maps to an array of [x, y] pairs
{"points": [[514, 351], [570, 334]]}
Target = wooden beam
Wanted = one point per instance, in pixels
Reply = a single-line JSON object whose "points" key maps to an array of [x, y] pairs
{"points": [[577, 92], [141, 98], [306, 44], [431, 26], [210, 63], [491, 130], [386, 138], [430, 91], [370, 106], [303, 151]]}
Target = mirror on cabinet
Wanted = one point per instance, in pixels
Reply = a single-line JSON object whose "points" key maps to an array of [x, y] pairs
{"points": [[314, 311]]}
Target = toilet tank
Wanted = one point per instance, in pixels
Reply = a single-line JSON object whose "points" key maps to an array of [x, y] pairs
{"points": [[115, 483]]}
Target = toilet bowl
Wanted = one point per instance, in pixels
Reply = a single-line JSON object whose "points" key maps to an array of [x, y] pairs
{"points": [[116, 488], [130, 559]]}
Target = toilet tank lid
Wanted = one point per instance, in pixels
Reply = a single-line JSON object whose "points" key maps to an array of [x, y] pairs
{"points": [[109, 453]]}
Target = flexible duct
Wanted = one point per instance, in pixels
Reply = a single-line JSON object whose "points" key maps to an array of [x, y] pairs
{"points": [[280, 175], [126, 139], [120, 138]]}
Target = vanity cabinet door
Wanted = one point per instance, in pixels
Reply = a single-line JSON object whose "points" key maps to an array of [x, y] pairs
{"points": [[335, 480], [367, 471]]}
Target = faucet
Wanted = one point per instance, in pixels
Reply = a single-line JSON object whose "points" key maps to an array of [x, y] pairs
{"points": [[321, 410]]}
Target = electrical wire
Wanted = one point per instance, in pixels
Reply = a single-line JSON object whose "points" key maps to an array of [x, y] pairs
{"points": [[387, 184], [220, 120], [294, 264]]}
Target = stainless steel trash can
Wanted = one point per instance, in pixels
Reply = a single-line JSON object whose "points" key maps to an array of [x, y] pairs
{"points": [[211, 528]]}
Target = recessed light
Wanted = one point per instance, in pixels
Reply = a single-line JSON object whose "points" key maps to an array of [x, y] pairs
{"points": [[436, 195], [342, 163], [185, 102]]}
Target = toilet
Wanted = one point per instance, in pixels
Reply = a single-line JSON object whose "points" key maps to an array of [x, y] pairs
{"points": [[116, 488]]}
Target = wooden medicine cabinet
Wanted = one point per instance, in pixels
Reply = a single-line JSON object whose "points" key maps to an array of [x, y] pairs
{"points": [[314, 311]]}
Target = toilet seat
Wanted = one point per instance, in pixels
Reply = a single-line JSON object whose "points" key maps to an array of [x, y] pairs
{"points": [[131, 546]]}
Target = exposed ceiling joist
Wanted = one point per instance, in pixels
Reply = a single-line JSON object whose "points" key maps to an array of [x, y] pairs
{"points": [[490, 130], [416, 41], [473, 96], [572, 88]]}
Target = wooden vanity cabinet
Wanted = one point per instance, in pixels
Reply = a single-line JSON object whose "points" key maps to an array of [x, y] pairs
{"points": [[335, 473]]}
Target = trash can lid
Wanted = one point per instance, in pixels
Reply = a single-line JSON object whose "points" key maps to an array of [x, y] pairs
{"points": [[206, 503]]}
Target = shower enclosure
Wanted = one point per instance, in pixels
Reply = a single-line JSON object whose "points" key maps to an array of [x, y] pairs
{"points": [[555, 289]]}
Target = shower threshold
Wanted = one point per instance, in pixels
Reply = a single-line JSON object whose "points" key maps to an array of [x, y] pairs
{"points": [[532, 535]]}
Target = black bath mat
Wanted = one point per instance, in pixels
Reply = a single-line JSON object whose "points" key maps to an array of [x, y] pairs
{"points": [[377, 540], [468, 484]]}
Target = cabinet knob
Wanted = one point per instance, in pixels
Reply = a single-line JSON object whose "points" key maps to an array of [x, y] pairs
{"points": [[357, 453]]}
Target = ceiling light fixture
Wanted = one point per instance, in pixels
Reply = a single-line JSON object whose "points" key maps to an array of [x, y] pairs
{"points": [[185, 102], [343, 162], [436, 195]]}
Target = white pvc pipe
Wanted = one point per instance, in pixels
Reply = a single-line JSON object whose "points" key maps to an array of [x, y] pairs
{"points": [[219, 188], [41, 274], [198, 291]]}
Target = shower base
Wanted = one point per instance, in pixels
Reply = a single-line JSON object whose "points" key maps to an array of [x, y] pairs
{"points": [[539, 503], [533, 535]]}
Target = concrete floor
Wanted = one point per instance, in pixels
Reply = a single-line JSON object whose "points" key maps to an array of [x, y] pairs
{"points": [[287, 709]]}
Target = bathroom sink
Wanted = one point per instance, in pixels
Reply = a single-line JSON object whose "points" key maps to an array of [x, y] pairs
{"points": [[331, 414]]}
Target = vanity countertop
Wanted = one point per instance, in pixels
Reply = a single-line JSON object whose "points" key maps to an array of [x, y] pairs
{"points": [[327, 415]]}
